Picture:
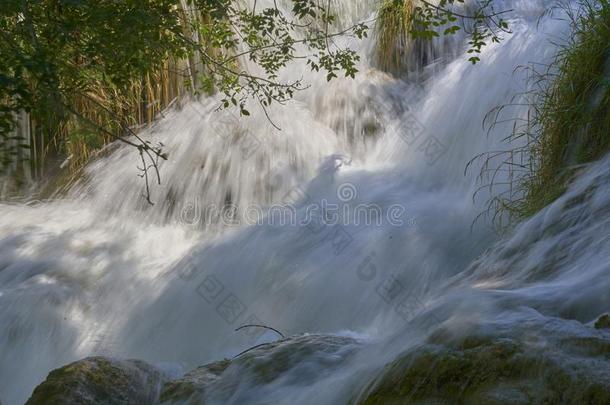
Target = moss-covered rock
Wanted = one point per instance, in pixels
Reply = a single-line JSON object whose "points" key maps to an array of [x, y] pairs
{"points": [[299, 360], [495, 371], [100, 381], [271, 361], [603, 322], [554, 361], [191, 388]]}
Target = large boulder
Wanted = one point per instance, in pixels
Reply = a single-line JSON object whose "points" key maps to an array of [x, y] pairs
{"points": [[100, 381], [299, 360], [497, 370]]}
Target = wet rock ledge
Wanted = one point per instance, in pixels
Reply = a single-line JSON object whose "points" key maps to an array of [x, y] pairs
{"points": [[550, 366], [100, 380]]}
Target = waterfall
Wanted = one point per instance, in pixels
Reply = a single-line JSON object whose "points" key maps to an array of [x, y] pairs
{"points": [[101, 271]]}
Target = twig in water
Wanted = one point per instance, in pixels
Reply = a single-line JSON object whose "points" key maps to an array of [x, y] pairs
{"points": [[252, 348], [261, 326], [259, 345]]}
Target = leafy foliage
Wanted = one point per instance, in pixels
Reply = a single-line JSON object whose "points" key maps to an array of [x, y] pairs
{"points": [[483, 24], [57, 53], [401, 21], [53, 52], [58, 57], [271, 39]]}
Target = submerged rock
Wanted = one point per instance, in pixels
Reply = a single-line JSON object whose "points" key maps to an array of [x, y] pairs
{"points": [[100, 381], [603, 322], [538, 361], [300, 360], [496, 370], [192, 387]]}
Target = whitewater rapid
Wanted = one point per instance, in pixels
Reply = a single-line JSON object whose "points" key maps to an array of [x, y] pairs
{"points": [[100, 271]]}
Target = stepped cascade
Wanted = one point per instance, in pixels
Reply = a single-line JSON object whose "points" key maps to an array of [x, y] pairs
{"points": [[231, 239]]}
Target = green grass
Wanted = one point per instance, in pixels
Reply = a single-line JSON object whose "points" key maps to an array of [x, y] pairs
{"points": [[574, 117], [393, 26], [569, 124]]}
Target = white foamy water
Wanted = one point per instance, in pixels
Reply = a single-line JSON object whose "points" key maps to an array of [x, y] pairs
{"points": [[103, 272]]}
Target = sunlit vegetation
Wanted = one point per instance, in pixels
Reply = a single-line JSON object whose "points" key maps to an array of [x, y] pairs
{"points": [[393, 41], [574, 115], [569, 120], [76, 75], [89, 72], [405, 25]]}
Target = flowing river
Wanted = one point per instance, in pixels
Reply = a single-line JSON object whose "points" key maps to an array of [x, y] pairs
{"points": [[390, 250]]}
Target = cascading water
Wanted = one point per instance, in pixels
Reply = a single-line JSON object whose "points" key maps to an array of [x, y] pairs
{"points": [[103, 272]]}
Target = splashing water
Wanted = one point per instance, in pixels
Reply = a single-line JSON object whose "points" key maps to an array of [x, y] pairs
{"points": [[102, 272]]}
